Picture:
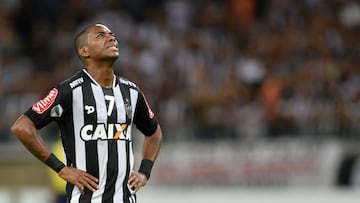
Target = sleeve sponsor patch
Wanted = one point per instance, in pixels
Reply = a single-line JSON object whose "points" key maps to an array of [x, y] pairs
{"points": [[41, 106]]}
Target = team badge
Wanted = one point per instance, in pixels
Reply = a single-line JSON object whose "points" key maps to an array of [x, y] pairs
{"points": [[128, 108], [56, 111]]}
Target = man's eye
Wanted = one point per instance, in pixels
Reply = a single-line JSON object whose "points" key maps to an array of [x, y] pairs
{"points": [[100, 35]]}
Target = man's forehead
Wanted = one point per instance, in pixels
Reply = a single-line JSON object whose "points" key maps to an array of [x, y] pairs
{"points": [[99, 28]]}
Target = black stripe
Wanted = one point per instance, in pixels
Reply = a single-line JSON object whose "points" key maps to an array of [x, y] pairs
{"points": [[112, 165], [133, 198], [68, 141], [91, 151], [68, 138], [126, 191], [112, 172], [69, 189]]}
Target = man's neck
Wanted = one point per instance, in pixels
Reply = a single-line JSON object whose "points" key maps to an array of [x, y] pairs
{"points": [[104, 75]]}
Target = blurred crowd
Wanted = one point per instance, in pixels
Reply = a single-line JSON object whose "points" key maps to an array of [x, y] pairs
{"points": [[212, 69]]}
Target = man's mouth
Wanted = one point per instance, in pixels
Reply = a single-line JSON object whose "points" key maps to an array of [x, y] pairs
{"points": [[113, 47]]}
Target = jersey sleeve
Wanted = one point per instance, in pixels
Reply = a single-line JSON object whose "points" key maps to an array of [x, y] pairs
{"points": [[144, 117], [48, 109]]}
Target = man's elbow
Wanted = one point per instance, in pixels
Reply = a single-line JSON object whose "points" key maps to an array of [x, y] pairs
{"points": [[17, 129], [157, 136], [21, 127]]}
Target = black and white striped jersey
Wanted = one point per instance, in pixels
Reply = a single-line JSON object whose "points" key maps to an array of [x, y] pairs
{"points": [[95, 125]]}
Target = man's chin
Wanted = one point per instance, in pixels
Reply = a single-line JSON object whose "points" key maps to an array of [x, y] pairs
{"points": [[110, 58], [114, 56]]}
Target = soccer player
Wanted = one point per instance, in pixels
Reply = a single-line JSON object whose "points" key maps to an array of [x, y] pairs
{"points": [[95, 111]]}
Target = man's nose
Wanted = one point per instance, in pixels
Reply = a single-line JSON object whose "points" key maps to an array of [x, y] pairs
{"points": [[112, 37]]}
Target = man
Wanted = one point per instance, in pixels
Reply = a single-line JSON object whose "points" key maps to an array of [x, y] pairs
{"points": [[95, 110]]}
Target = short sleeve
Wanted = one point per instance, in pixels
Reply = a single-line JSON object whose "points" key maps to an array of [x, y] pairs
{"points": [[48, 109], [144, 117]]}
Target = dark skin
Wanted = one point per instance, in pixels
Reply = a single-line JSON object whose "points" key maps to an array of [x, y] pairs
{"points": [[98, 51]]}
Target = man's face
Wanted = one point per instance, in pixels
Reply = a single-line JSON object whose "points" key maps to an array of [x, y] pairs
{"points": [[102, 44]]}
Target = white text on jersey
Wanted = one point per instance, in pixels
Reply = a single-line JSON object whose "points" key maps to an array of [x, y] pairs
{"points": [[100, 131], [76, 82]]}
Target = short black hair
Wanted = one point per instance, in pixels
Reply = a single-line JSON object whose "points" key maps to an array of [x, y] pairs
{"points": [[79, 38]]}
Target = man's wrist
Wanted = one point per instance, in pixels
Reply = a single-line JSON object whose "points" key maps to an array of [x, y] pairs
{"points": [[54, 163], [146, 167]]}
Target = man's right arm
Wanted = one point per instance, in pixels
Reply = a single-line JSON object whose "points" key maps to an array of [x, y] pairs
{"points": [[25, 130]]}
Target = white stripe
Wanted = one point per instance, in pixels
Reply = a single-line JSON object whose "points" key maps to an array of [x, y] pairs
{"points": [[121, 145], [134, 98], [100, 104], [114, 82], [121, 115], [121, 118], [101, 145], [78, 119], [132, 199], [118, 196]]}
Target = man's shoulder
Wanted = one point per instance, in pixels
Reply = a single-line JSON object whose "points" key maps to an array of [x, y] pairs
{"points": [[127, 82], [73, 81]]}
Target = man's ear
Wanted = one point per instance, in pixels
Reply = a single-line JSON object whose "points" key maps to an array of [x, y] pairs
{"points": [[83, 52]]}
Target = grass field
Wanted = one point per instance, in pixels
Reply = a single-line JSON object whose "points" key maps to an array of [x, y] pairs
{"points": [[203, 195], [238, 195]]}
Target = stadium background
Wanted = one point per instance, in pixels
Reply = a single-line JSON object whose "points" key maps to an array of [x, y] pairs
{"points": [[259, 100]]}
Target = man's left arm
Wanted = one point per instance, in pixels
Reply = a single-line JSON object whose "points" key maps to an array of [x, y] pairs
{"points": [[150, 151]]}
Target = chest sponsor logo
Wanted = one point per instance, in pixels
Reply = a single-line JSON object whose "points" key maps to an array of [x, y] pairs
{"points": [[41, 106], [102, 131]]}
